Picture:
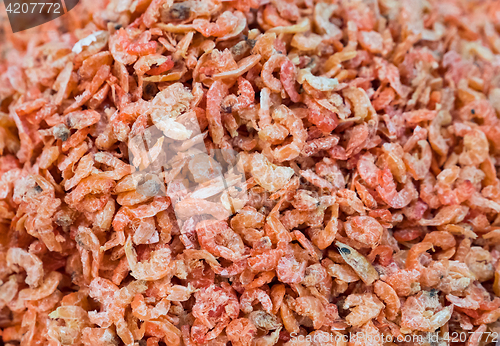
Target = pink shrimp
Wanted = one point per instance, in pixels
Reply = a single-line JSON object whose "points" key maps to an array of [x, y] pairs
{"points": [[423, 312], [287, 78], [250, 295], [89, 185], [364, 229], [306, 244], [387, 190], [189, 207], [218, 90], [81, 119], [83, 170], [419, 168], [367, 170], [246, 94], [364, 307], [285, 117], [220, 240], [475, 148], [323, 118], [145, 313], [289, 270], [428, 191], [404, 282], [225, 23], [384, 253], [265, 261], [442, 239], [313, 308], [274, 62], [419, 134], [214, 308], [121, 169], [158, 266], [241, 332], [29, 262], [389, 297], [446, 195], [413, 259]]}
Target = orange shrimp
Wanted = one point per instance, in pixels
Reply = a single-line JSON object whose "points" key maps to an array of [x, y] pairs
{"points": [[29, 262], [250, 295], [313, 308], [364, 229], [389, 297], [418, 168], [219, 239], [294, 125], [241, 332], [423, 312], [158, 266], [446, 194], [364, 307], [225, 23], [145, 313], [367, 170], [387, 190], [214, 308], [218, 90]]}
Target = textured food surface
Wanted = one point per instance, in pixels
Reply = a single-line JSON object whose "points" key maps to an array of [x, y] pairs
{"points": [[367, 134]]}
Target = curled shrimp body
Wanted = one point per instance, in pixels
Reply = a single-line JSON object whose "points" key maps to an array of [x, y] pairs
{"points": [[29, 262], [121, 169], [313, 308], [442, 239], [241, 332], [215, 306], [413, 259], [143, 312], [387, 191], [364, 307], [389, 297], [220, 240], [272, 64], [364, 229], [272, 133], [289, 270], [287, 77], [295, 126], [418, 168], [423, 312], [446, 194], [436, 139], [367, 170], [218, 90], [224, 25], [475, 150], [428, 192], [246, 94], [249, 296], [157, 267]]}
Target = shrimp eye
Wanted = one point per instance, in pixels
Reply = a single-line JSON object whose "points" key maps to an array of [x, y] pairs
{"points": [[150, 91], [179, 11], [345, 251], [61, 132]]}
